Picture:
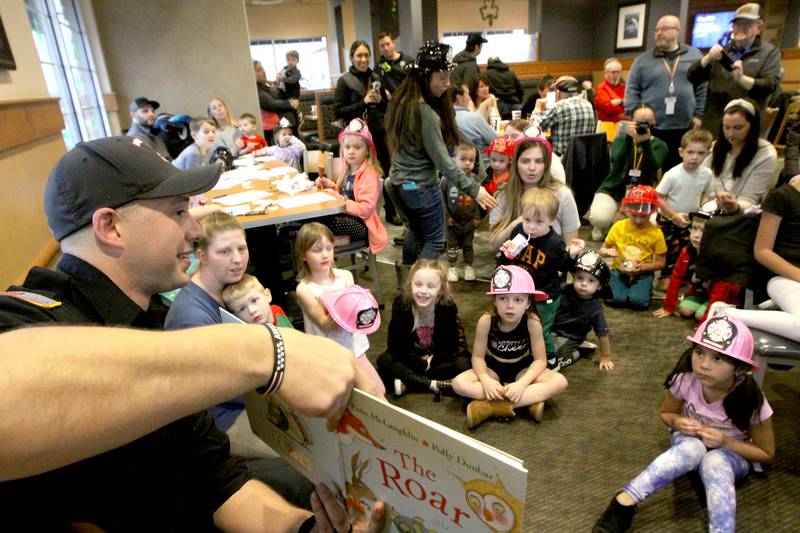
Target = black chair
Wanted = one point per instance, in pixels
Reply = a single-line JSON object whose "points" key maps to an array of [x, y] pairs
{"points": [[586, 165]]}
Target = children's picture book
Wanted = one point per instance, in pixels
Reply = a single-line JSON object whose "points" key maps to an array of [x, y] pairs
{"points": [[431, 478]]}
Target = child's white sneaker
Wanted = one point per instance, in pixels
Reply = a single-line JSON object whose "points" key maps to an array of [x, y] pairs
{"points": [[399, 387], [452, 274], [586, 345], [469, 273]]}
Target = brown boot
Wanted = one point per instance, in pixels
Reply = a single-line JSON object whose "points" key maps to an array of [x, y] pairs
{"points": [[502, 409], [478, 411], [537, 411]]}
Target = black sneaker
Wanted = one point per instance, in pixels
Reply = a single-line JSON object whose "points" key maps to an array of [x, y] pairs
{"points": [[616, 518]]}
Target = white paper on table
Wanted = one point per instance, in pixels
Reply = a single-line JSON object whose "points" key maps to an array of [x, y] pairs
{"points": [[237, 210], [304, 199], [241, 197], [247, 160], [275, 172]]}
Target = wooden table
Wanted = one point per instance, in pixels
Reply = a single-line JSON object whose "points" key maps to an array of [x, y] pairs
{"points": [[280, 214]]}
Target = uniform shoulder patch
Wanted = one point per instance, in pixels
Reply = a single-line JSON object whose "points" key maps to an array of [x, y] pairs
{"points": [[32, 298]]}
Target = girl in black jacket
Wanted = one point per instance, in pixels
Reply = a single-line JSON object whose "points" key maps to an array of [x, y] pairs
{"points": [[426, 346]]}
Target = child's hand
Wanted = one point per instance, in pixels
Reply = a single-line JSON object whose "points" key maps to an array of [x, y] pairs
{"points": [[492, 389], [450, 221], [239, 143], [575, 247], [630, 266], [606, 363], [687, 426], [713, 438], [661, 313], [514, 391], [608, 252]]}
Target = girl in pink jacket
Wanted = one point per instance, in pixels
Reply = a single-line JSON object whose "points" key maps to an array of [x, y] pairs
{"points": [[360, 186]]}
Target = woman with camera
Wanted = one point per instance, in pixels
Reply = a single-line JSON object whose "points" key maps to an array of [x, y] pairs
{"points": [[359, 95], [636, 158], [743, 165]]}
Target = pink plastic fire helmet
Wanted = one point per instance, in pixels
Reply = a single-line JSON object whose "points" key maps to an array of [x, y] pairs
{"points": [[354, 309], [511, 279], [728, 336]]}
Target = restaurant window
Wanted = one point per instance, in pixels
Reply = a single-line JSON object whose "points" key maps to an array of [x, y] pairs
{"points": [[68, 68], [314, 65], [512, 46]]}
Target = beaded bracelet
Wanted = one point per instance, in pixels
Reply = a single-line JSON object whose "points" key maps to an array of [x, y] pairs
{"points": [[279, 366]]}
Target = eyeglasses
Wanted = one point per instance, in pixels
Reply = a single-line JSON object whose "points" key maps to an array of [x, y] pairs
{"points": [[662, 29]]}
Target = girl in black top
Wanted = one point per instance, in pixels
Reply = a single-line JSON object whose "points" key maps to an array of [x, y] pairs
{"points": [[426, 346], [515, 372]]}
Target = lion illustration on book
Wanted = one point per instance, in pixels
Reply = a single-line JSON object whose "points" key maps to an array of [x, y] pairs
{"points": [[493, 505]]}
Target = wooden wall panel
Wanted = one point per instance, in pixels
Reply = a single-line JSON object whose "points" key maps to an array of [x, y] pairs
{"points": [[26, 121]]}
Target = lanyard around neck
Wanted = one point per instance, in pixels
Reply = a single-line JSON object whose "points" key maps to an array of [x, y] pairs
{"points": [[671, 71]]}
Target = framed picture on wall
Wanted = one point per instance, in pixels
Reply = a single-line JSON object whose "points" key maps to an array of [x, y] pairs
{"points": [[6, 57], [631, 27]]}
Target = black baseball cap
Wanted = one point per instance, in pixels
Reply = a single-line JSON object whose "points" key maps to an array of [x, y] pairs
{"points": [[475, 38], [138, 103], [112, 172]]}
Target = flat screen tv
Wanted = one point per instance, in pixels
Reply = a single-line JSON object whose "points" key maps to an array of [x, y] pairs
{"points": [[709, 27]]}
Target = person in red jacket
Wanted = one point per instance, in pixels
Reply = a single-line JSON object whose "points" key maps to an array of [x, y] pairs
{"points": [[700, 293], [610, 93]]}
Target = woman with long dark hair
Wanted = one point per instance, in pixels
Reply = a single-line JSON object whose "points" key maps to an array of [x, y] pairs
{"points": [[421, 126], [743, 164]]}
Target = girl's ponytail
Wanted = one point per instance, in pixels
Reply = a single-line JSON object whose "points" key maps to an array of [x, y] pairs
{"points": [[745, 399]]}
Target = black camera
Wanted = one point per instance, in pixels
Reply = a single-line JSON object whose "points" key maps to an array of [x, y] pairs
{"points": [[642, 127]]}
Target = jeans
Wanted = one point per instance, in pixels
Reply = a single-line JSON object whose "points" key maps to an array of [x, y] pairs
{"points": [[719, 470], [425, 232], [630, 291]]}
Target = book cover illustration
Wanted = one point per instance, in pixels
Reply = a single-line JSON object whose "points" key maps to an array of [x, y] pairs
{"points": [[432, 479]]}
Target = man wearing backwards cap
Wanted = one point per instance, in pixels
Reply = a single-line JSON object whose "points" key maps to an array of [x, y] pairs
{"points": [[755, 72], [572, 115], [143, 116], [114, 430], [467, 59]]}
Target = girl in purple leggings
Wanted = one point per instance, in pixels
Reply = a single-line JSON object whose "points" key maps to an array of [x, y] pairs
{"points": [[720, 424]]}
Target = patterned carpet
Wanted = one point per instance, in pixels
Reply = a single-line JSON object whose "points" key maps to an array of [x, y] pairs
{"points": [[605, 428]]}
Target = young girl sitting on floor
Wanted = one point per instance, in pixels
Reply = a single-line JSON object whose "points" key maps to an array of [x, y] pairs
{"points": [[198, 153], [360, 185], [286, 146], [720, 423], [514, 374], [426, 346], [317, 275]]}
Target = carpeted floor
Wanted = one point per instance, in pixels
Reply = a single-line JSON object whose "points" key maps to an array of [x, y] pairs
{"points": [[605, 428]]}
